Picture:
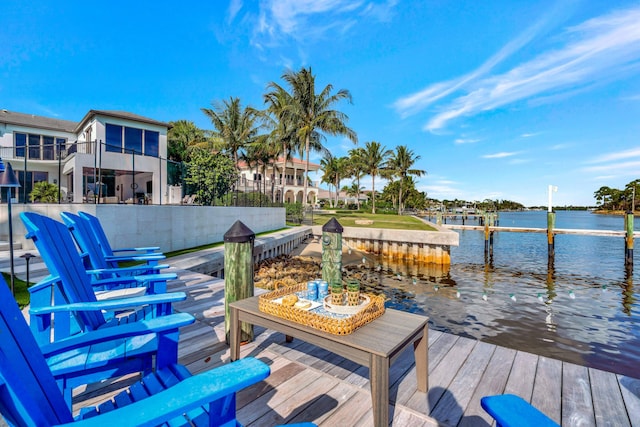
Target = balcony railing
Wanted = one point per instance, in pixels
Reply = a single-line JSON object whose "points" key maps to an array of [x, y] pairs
{"points": [[277, 182]]}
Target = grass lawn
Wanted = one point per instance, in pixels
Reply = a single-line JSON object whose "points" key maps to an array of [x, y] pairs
{"points": [[396, 222], [20, 291]]}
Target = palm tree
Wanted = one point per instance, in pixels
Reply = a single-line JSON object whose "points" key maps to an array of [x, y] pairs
{"points": [[353, 191], [356, 166], [277, 118], [182, 135], [312, 113], [375, 161], [236, 126], [400, 164], [329, 165]]}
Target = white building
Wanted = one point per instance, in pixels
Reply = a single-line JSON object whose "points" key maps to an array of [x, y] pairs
{"points": [[108, 157], [281, 178]]}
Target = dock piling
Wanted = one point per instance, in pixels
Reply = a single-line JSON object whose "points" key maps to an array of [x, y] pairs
{"points": [[628, 241], [238, 276], [551, 221]]}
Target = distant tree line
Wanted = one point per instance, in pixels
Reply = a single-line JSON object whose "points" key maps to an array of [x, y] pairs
{"points": [[614, 199]]}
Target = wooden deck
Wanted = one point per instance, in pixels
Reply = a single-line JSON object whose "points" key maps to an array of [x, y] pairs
{"points": [[310, 384]]}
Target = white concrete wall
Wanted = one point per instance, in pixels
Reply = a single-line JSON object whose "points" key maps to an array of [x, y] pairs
{"points": [[169, 227]]}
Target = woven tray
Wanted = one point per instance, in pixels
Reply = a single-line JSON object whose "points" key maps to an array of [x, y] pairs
{"points": [[342, 326]]}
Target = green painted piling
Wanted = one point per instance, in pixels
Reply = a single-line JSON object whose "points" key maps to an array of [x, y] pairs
{"points": [[486, 234], [238, 273], [628, 252], [332, 251], [551, 221]]}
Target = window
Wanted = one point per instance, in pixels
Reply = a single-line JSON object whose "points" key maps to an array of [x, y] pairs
{"points": [[34, 146], [47, 148], [41, 147], [132, 140], [21, 142], [113, 135], [151, 143], [27, 187]]}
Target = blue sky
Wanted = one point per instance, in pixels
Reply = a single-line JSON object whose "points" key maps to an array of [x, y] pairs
{"points": [[499, 98]]}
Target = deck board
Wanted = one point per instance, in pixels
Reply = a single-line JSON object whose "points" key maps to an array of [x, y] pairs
{"points": [[311, 384], [577, 406]]}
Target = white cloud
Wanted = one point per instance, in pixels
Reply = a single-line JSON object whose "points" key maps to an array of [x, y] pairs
{"points": [[310, 20], [418, 101], [557, 147], [500, 155], [382, 12], [234, 8], [519, 161], [599, 50], [615, 168], [465, 141], [620, 155]]}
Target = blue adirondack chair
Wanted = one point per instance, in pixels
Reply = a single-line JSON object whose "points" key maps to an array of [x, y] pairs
{"points": [[84, 237], [114, 351], [103, 241], [58, 251], [510, 410], [69, 287], [29, 394]]}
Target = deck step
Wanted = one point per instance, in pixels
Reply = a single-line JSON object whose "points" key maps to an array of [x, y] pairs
{"points": [[4, 246]]}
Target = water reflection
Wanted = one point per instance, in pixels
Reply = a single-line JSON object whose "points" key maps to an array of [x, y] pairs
{"points": [[628, 296], [581, 307]]}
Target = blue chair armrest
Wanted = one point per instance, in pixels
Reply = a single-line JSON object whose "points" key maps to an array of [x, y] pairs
{"points": [[148, 249], [510, 410], [125, 270], [111, 304], [169, 322], [135, 257], [156, 283], [187, 395], [44, 283], [156, 277]]}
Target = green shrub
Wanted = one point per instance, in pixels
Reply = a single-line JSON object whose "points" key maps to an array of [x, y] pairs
{"points": [[44, 192], [295, 212]]}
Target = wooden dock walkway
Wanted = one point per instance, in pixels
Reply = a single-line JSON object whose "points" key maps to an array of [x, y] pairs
{"points": [[310, 384]]}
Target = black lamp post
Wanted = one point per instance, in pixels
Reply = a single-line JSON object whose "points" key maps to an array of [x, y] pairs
{"points": [[9, 179]]}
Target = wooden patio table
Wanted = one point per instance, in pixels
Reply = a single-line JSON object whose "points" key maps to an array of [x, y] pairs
{"points": [[375, 345]]}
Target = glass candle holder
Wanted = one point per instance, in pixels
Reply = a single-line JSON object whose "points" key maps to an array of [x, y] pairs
{"points": [[337, 297], [353, 292]]}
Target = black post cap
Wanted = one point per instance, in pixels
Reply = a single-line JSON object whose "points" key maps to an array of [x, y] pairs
{"points": [[333, 226], [239, 233]]}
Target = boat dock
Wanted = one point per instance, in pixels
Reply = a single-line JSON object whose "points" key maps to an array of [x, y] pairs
{"points": [[308, 383]]}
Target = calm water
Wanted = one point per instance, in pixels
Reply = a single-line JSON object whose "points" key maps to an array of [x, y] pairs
{"points": [[584, 310]]}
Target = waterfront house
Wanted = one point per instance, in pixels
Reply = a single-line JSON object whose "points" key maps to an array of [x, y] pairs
{"points": [[108, 156], [278, 179]]}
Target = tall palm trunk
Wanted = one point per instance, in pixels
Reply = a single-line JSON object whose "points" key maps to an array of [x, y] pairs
{"points": [[306, 171], [358, 190], [400, 199], [284, 170], [373, 193]]}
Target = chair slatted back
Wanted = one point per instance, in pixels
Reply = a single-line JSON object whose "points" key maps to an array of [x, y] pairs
{"points": [[99, 233], [56, 246], [84, 236], [28, 393]]}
